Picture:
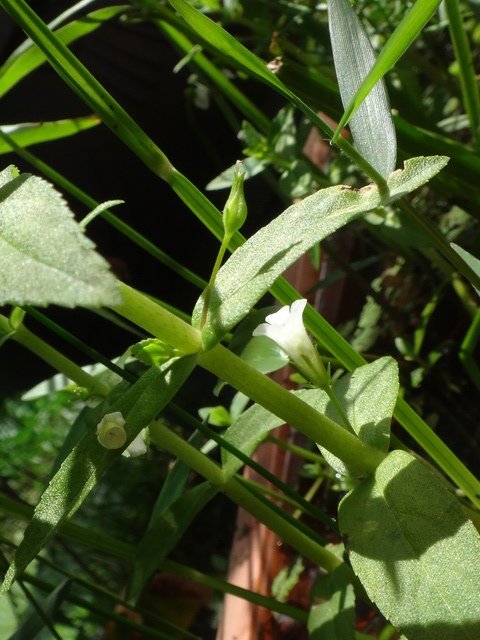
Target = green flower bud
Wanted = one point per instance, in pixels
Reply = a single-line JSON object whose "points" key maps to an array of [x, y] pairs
{"points": [[235, 210], [152, 352]]}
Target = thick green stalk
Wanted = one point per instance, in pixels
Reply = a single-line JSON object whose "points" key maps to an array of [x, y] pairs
{"points": [[158, 321], [164, 438], [263, 390]]}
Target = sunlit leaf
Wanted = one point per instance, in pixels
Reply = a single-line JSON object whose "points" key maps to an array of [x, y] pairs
{"points": [[45, 258], [414, 550], [255, 266], [372, 126]]}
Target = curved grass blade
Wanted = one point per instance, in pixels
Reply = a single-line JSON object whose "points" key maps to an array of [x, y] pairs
{"points": [[29, 57], [35, 622], [27, 133], [403, 36], [371, 126], [73, 72]]}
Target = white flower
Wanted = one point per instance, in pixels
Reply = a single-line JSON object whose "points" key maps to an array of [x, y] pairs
{"points": [[286, 328], [137, 447]]}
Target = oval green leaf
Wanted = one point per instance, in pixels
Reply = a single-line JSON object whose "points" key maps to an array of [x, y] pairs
{"points": [[414, 550]]}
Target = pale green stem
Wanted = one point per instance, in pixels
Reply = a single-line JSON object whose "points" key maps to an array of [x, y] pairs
{"points": [[208, 291], [167, 440], [359, 457]]}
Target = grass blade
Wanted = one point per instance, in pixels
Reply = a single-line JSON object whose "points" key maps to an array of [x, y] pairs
{"points": [[468, 80], [27, 133], [29, 57], [403, 36], [371, 126], [73, 72]]}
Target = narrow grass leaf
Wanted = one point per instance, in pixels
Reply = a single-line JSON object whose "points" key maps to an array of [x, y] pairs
{"points": [[35, 623], [88, 460], [27, 133], [28, 58], [472, 261], [45, 258], [403, 36], [371, 126], [405, 532], [164, 533], [466, 69], [255, 266], [334, 617], [82, 82]]}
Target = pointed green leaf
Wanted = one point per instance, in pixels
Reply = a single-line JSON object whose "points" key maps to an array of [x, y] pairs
{"points": [[334, 618], [255, 266], [44, 256], [88, 460], [414, 550], [25, 59], [403, 36], [368, 397], [371, 126], [27, 133]]}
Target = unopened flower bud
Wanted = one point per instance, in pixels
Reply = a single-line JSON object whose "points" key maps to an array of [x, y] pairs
{"points": [[235, 210], [111, 432]]}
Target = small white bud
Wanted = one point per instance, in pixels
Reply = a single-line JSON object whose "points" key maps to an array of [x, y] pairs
{"points": [[111, 432]]}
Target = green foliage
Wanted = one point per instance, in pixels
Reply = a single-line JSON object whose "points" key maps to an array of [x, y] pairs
{"points": [[254, 267], [408, 538], [41, 244], [333, 618], [405, 533]]}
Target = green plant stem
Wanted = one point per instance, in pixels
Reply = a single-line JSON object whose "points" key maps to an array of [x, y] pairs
{"points": [[208, 291], [463, 55], [465, 353], [158, 321], [298, 451], [263, 390], [169, 441], [54, 358]]}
